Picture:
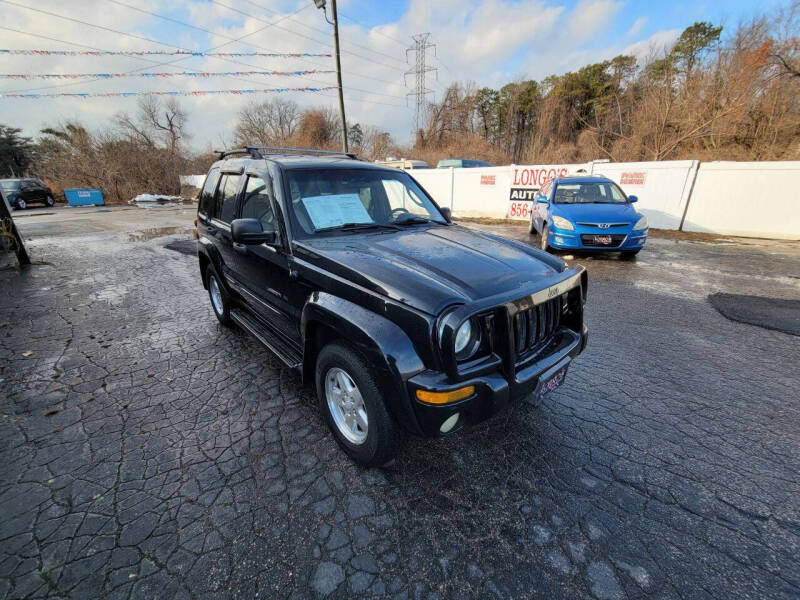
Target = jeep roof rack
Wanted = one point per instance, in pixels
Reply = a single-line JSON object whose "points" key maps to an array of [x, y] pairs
{"points": [[223, 153], [258, 152], [289, 150]]}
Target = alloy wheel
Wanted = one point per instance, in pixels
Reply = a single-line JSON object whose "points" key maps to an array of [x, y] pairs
{"points": [[216, 296], [346, 406]]}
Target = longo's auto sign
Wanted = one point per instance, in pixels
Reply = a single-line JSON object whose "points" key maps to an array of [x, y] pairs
{"points": [[525, 182]]}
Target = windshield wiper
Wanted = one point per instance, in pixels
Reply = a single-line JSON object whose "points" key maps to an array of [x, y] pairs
{"points": [[358, 226], [413, 220]]}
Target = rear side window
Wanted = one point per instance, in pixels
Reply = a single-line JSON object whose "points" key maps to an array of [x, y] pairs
{"points": [[226, 198], [257, 205], [207, 195]]}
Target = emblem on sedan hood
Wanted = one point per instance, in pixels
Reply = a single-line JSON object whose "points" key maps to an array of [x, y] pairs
{"points": [[604, 225]]}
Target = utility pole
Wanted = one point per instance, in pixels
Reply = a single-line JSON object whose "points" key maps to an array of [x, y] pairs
{"points": [[335, 23], [420, 49]]}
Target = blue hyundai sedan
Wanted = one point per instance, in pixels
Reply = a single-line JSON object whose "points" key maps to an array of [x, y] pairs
{"points": [[588, 213]]}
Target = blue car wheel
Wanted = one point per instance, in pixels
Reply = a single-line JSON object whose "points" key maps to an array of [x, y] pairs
{"points": [[543, 242]]}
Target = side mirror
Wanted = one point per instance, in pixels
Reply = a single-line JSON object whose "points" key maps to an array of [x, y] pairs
{"points": [[250, 232], [633, 199], [446, 213], [541, 199]]}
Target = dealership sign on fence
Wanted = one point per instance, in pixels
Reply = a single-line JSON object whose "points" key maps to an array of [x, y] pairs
{"points": [[525, 182]]}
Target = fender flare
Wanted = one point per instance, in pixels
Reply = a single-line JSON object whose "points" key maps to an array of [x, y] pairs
{"points": [[207, 253], [381, 341]]}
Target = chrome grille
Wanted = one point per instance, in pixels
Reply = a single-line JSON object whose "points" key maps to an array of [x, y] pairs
{"points": [[534, 326]]}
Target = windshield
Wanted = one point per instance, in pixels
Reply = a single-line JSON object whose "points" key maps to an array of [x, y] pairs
{"points": [[9, 185], [327, 200], [589, 193]]}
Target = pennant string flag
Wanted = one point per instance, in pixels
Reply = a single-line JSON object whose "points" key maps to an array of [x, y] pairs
{"points": [[159, 53], [166, 93], [173, 74]]}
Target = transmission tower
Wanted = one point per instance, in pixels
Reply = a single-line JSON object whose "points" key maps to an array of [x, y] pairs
{"points": [[420, 93]]}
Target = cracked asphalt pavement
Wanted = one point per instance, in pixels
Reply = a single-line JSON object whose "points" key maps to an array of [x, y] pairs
{"points": [[147, 452]]}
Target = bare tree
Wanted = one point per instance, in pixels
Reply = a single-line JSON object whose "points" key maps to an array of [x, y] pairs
{"points": [[156, 122], [271, 122]]}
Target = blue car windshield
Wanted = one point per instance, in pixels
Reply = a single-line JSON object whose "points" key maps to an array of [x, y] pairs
{"points": [[589, 193]]}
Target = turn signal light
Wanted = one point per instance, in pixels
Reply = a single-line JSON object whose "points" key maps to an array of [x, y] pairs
{"points": [[445, 397]]}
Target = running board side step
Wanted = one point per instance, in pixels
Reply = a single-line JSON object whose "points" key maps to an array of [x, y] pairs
{"points": [[288, 355]]}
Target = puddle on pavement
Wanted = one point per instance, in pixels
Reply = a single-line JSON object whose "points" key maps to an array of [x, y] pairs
{"points": [[149, 234]]}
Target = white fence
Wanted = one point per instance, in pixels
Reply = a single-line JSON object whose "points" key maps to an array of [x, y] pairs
{"points": [[750, 199], [746, 199]]}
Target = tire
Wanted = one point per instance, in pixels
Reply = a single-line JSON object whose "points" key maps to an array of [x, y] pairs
{"points": [[220, 301], [543, 245], [376, 443], [21, 204], [49, 200], [629, 254]]}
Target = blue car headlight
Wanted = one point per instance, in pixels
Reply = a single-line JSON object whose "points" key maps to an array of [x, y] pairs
{"points": [[641, 223], [562, 223]]}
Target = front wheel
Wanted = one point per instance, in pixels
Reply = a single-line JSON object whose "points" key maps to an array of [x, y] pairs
{"points": [[220, 301], [543, 241], [355, 406], [49, 201], [21, 204]]}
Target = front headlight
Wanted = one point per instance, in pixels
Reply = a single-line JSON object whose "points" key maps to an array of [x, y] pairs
{"points": [[467, 339], [641, 223], [463, 337], [562, 223]]}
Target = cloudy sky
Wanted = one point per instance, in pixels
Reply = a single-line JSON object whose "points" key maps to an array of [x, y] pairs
{"points": [[486, 41]]}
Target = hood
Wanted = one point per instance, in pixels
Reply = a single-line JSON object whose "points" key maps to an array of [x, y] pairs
{"points": [[596, 213], [430, 267]]}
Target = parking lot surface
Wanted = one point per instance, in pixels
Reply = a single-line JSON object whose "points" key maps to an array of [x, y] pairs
{"points": [[148, 452]]}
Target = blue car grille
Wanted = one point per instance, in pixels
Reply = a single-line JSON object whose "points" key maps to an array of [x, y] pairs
{"points": [[588, 239], [535, 326]]}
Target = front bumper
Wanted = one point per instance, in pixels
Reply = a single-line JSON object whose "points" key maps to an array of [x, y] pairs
{"points": [[563, 239], [493, 391]]}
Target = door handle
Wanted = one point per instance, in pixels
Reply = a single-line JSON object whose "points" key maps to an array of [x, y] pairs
{"points": [[240, 248]]}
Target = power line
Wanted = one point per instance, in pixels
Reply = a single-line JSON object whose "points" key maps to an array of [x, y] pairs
{"points": [[163, 93], [230, 41], [169, 63], [197, 74], [268, 24], [47, 12], [76, 44], [311, 38], [137, 53], [365, 26], [367, 48]]}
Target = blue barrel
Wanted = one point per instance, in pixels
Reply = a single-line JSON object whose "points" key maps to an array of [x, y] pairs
{"points": [[89, 197]]}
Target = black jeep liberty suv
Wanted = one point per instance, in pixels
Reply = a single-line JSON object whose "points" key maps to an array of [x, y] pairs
{"points": [[350, 273]]}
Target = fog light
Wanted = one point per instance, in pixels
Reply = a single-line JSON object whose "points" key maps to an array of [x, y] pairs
{"points": [[445, 397], [559, 240], [449, 423]]}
